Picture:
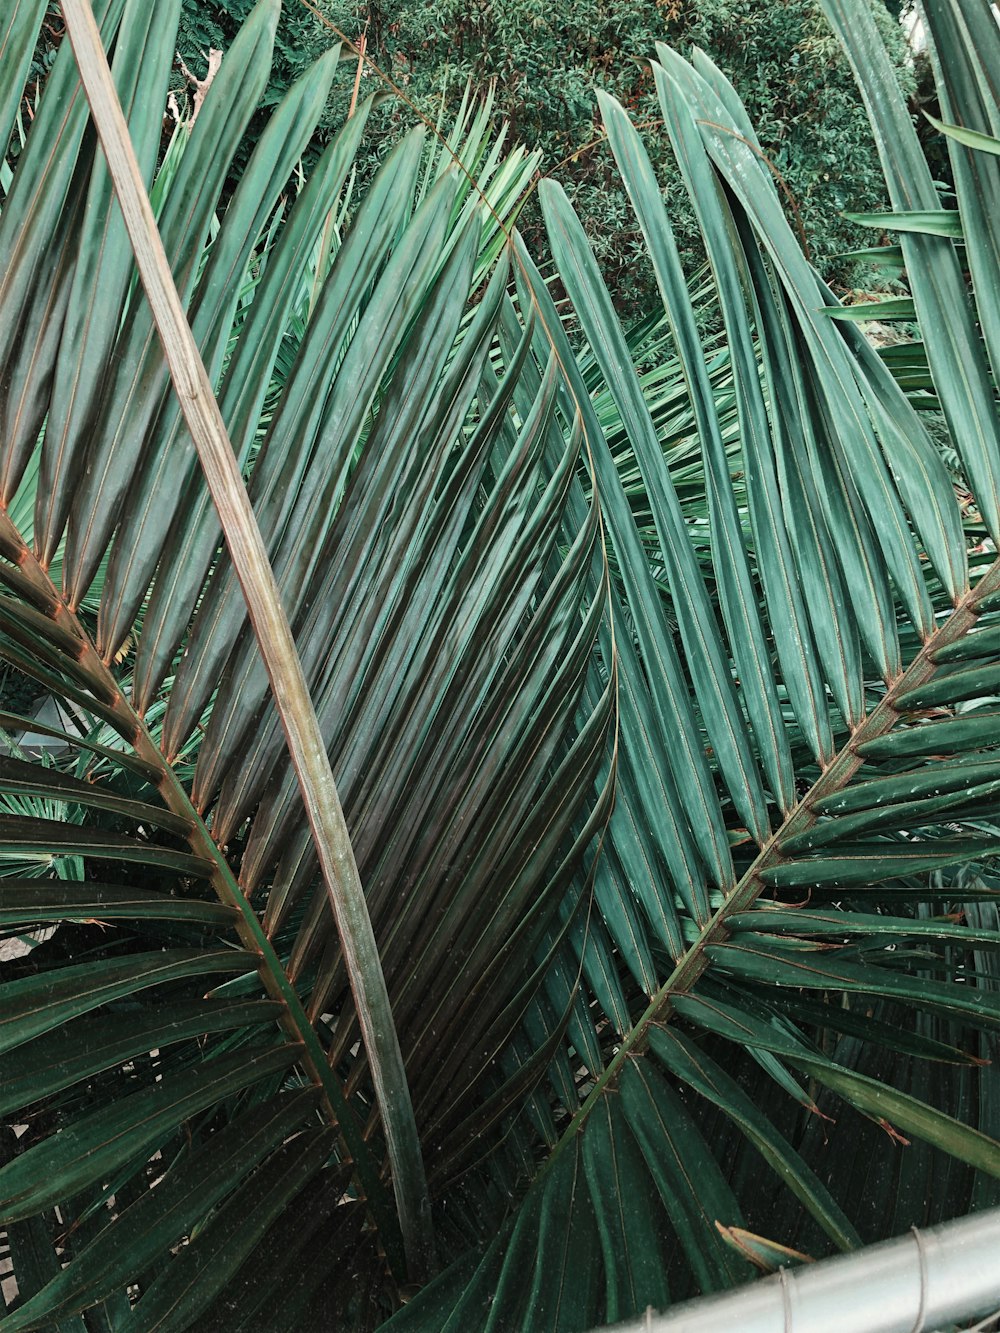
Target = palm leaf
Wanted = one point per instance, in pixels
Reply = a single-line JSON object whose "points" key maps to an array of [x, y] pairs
{"points": [[956, 354], [842, 635], [445, 609]]}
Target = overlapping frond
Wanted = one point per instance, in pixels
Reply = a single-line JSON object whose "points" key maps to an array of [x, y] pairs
{"points": [[757, 996], [182, 1054], [797, 891]]}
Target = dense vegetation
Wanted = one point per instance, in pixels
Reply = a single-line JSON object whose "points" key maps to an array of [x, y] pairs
{"points": [[658, 676], [549, 57]]}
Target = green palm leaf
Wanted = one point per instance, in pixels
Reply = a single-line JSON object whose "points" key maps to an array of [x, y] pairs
{"points": [[711, 967], [842, 634], [955, 351], [445, 607]]}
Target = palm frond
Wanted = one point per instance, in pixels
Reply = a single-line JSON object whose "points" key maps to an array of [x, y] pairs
{"points": [[791, 846], [445, 608]]}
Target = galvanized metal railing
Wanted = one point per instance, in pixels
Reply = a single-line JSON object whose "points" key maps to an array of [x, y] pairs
{"points": [[917, 1283]]}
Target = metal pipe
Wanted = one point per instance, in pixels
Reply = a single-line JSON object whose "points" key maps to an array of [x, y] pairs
{"points": [[912, 1284]]}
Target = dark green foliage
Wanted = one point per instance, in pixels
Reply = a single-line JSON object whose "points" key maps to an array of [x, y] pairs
{"points": [[548, 59], [51, 36], [300, 38], [18, 692]]}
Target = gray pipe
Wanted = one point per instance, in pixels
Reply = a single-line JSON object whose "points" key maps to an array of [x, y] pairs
{"points": [[913, 1284]]}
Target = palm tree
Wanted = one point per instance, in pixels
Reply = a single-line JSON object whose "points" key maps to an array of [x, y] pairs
{"points": [[510, 612]]}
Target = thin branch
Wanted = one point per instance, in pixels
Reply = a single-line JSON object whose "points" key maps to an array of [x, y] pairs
{"points": [[362, 48], [200, 87]]}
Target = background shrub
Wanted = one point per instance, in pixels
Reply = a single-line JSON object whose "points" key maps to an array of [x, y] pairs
{"points": [[548, 57]]}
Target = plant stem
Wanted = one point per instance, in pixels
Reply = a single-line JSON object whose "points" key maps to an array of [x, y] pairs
{"points": [[835, 776]]}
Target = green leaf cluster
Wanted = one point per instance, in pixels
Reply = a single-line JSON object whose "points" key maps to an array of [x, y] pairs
{"points": [[550, 59], [659, 679]]}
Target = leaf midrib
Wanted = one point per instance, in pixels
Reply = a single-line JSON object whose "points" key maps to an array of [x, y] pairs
{"points": [[692, 966], [277, 986]]}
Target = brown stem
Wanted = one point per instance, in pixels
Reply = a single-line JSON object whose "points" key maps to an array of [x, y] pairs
{"points": [[835, 776], [40, 591]]}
